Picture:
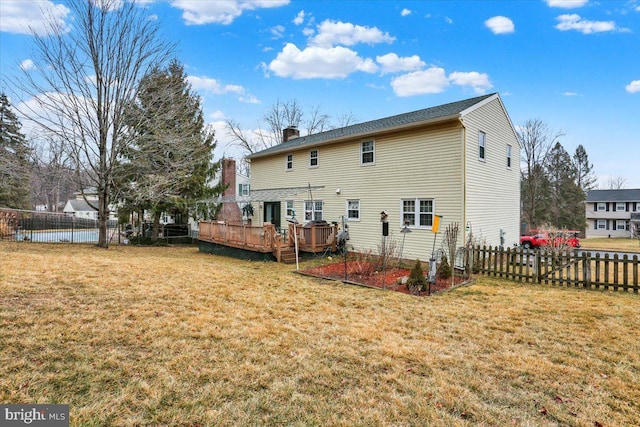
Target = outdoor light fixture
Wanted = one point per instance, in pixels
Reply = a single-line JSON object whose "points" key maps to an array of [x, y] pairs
{"points": [[338, 191]]}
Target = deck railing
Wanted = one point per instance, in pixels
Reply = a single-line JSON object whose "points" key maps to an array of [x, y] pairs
{"points": [[261, 239], [314, 237]]}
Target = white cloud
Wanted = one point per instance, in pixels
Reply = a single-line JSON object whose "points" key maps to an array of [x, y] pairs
{"points": [[570, 94], [500, 25], [432, 80], [448, 20], [575, 22], [567, 4], [277, 31], [633, 87], [220, 12], [299, 19], [213, 86], [217, 115], [319, 62], [405, 12], [332, 33], [249, 99], [25, 17], [27, 65], [392, 63], [435, 80], [478, 81]]}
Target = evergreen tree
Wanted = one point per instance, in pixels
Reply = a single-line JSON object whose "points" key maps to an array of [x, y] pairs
{"points": [[567, 207], [14, 159], [585, 177], [168, 166]]}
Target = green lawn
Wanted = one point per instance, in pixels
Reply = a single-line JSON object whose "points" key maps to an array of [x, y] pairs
{"points": [[135, 336], [618, 244]]}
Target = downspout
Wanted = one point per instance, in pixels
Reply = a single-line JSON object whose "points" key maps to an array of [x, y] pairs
{"points": [[464, 181]]}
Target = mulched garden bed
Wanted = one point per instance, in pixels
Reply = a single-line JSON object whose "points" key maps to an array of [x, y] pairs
{"points": [[363, 273]]}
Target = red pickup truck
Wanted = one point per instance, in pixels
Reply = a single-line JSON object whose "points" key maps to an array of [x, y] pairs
{"points": [[539, 238]]}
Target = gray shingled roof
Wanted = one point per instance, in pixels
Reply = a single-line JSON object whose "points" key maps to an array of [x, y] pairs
{"points": [[624, 195], [428, 114], [80, 206]]}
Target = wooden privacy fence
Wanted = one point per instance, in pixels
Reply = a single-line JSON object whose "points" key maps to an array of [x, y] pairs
{"points": [[567, 268]]}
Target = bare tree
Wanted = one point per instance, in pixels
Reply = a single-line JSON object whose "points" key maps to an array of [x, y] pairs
{"points": [[616, 182], [86, 77], [536, 141], [53, 178]]}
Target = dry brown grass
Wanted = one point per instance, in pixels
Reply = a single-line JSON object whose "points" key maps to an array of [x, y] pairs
{"points": [[170, 336], [618, 244]]}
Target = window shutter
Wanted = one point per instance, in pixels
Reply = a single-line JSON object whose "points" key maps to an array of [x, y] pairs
{"points": [[240, 189], [607, 210], [607, 224], [595, 224], [595, 207]]}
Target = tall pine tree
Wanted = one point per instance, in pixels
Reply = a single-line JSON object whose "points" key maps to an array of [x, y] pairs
{"points": [[567, 207], [169, 165], [585, 177], [14, 159]]}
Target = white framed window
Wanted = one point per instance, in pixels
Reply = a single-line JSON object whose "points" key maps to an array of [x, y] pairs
{"points": [[290, 210], [313, 158], [313, 210], [353, 210], [601, 207], [509, 156], [243, 189], [621, 224], [417, 212], [621, 206], [289, 162], [601, 224], [482, 145], [368, 153]]}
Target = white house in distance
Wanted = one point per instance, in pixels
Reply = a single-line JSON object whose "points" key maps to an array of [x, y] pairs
{"points": [[459, 161], [79, 206], [610, 213]]}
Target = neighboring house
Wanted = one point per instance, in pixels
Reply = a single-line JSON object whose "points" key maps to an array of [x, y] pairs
{"points": [[610, 213], [459, 161], [79, 207]]}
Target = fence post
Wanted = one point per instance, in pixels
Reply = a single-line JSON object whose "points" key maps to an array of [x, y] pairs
{"points": [[586, 269], [536, 268]]}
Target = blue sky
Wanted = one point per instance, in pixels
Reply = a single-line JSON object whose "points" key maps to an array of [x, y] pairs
{"points": [[575, 64]]}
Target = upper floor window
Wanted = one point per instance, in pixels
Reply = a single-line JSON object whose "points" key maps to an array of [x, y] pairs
{"points": [[289, 161], [509, 156], [621, 206], [243, 189], [482, 141], [417, 212], [313, 158], [601, 206], [368, 153], [353, 210]]}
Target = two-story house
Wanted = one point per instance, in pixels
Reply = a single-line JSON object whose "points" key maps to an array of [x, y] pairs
{"points": [[610, 213], [459, 161]]}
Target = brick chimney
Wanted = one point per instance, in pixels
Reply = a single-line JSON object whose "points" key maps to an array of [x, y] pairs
{"points": [[230, 212], [290, 133]]}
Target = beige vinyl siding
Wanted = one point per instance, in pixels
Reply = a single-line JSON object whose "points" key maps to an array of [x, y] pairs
{"points": [[421, 163], [492, 189]]}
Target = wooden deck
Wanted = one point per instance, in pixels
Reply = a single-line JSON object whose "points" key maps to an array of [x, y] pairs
{"points": [[265, 239]]}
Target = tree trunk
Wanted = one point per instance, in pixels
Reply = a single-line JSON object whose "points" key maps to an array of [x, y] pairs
{"points": [[103, 218]]}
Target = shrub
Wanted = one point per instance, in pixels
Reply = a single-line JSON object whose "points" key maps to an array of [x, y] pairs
{"points": [[362, 265], [416, 282], [444, 270]]}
